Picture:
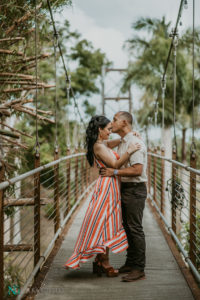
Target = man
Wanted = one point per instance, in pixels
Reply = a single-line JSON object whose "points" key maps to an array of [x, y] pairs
{"points": [[133, 196]]}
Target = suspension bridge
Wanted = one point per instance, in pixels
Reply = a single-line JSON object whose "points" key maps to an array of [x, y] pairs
{"points": [[52, 199]]}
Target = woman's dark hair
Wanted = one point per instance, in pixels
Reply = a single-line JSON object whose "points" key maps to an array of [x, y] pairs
{"points": [[92, 133]]}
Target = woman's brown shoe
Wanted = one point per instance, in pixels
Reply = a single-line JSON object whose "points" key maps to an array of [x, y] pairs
{"points": [[98, 267], [111, 272]]}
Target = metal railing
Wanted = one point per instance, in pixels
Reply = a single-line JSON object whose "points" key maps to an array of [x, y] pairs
{"points": [[174, 190], [34, 207]]}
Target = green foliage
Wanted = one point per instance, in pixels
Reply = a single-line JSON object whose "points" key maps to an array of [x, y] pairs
{"points": [[50, 211], [86, 64], [12, 278], [148, 57], [89, 109], [185, 237]]}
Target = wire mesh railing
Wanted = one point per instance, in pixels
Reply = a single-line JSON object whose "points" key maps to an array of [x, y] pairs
{"points": [[174, 190], [34, 207]]}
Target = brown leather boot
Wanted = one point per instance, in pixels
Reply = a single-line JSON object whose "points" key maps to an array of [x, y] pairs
{"points": [[125, 269], [134, 275]]}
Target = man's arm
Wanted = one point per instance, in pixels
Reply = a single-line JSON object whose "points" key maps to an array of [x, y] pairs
{"points": [[134, 170]]}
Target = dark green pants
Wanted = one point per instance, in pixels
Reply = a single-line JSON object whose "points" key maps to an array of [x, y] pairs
{"points": [[133, 197]]}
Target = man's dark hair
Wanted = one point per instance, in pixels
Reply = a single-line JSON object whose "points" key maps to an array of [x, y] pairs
{"points": [[127, 116]]}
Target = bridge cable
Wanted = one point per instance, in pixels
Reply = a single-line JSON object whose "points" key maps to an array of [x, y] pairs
{"points": [[68, 102], [37, 145], [163, 87], [55, 45], [193, 145], [175, 43], [63, 62], [182, 4], [156, 114]]}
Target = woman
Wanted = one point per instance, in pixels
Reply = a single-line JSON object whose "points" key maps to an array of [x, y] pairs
{"points": [[102, 225]]}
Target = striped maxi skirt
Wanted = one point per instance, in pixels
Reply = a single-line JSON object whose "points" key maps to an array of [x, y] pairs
{"points": [[102, 224]]}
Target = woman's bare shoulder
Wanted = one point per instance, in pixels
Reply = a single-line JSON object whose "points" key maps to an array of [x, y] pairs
{"points": [[99, 146], [99, 149]]}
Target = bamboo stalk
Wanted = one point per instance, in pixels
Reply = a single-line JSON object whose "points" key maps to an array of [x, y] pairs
{"points": [[14, 102], [19, 108], [12, 39], [40, 111], [14, 143], [27, 67], [27, 88], [8, 133], [5, 112], [24, 76], [16, 130], [5, 81], [24, 101], [29, 31], [27, 59], [21, 20], [9, 52]]}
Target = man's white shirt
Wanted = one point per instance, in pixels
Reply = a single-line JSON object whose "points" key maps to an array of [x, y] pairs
{"points": [[138, 157]]}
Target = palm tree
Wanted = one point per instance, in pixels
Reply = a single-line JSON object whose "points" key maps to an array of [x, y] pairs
{"points": [[148, 53]]}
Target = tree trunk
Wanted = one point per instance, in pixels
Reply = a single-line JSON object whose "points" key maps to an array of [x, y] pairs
{"points": [[167, 141]]}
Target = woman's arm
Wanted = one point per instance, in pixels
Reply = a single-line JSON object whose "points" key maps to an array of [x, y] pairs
{"points": [[103, 153], [114, 143]]}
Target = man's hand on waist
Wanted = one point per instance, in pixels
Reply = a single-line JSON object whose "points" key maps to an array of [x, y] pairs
{"points": [[135, 170], [106, 172]]}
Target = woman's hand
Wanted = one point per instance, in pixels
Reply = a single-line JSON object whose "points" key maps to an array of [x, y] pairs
{"points": [[136, 133], [133, 147]]}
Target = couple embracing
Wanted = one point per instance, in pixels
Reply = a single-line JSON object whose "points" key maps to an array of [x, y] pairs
{"points": [[113, 219]]}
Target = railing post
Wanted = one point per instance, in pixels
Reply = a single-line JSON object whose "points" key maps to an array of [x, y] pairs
{"points": [[193, 248], [56, 192], [154, 176], [89, 173], [149, 172], [76, 176], [1, 235], [37, 211], [86, 171], [68, 166], [163, 182], [173, 191], [82, 174]]}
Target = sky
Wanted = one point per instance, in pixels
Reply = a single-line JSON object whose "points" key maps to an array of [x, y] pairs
{"points": [[107, 24]]}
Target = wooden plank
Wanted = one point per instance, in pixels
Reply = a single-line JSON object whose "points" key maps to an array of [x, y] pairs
{"points": [[23, 201], [164, 279], [18, 248]]}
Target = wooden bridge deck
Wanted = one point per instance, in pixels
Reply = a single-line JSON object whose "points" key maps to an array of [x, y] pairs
{"points": [[164, 280]]}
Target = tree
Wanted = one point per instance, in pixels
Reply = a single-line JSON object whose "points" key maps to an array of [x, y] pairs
{"points": [[148, 56], [86, 62], [86, 59]]}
